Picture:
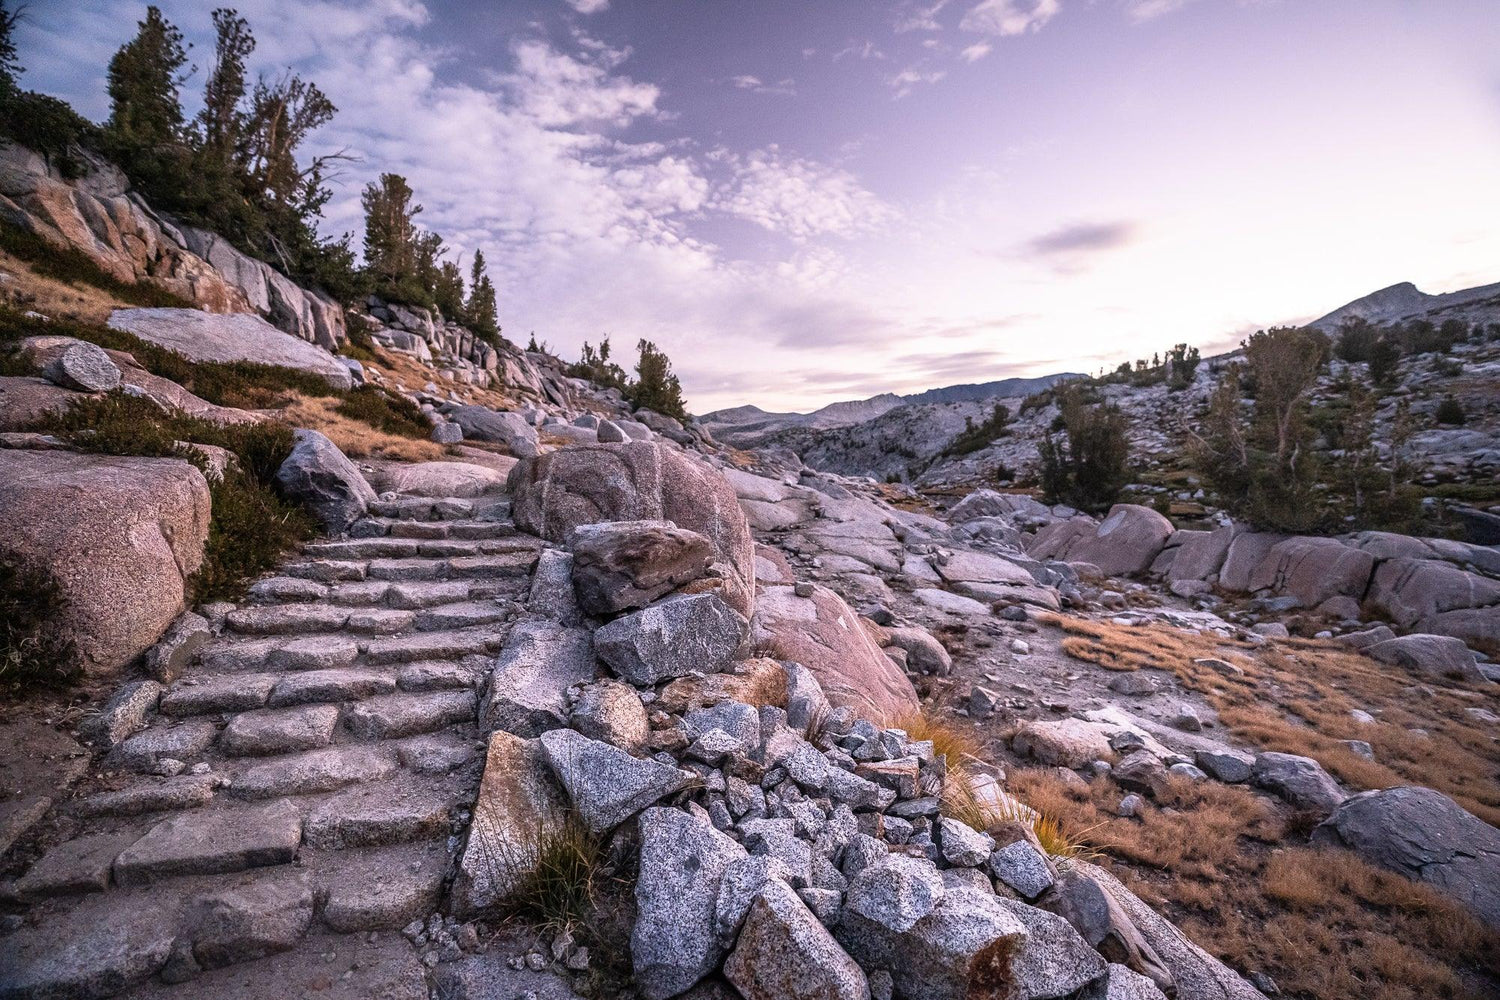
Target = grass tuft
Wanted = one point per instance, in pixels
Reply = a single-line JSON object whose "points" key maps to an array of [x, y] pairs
{"points": [[559, 879]]}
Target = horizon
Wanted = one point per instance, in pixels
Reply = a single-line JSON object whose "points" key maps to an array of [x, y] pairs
{"points": [[1096, 180]]}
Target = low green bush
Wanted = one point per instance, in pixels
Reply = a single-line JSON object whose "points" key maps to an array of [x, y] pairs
{"points": [[74, 267], [250, 526], [1450, 412], [384, 411]]}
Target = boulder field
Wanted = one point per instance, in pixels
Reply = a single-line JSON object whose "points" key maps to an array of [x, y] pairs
{"points": [[376, 738]]}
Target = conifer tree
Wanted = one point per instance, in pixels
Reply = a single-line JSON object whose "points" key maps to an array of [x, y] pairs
{"points": [[390, 236], [144, 78], [221, 123], [655, 387], [483, 317]]}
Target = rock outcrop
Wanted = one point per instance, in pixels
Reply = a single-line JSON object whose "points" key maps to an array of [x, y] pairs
{"points": [[638, 481], [99, 216]]}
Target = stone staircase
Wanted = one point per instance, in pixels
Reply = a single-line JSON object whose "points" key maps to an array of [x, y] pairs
{"points": [[310, 772]]}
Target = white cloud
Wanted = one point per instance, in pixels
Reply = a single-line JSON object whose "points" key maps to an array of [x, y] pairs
{"points": [[798, 198], [785, 88], [560, 90], [976, 52], [1010, 17], [920, 17], [904, 82], [859, 50], [588, 6], [1146, 10]]}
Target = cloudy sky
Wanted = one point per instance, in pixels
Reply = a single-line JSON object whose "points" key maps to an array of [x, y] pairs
{"points": [[811, 200]]}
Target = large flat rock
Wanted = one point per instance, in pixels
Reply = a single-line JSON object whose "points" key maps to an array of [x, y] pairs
{"points": [[202, 336]]}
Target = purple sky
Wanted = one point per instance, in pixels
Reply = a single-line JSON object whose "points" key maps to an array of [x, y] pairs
{"points": [[810, 200]]}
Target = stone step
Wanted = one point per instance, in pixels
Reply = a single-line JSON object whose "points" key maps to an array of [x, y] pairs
{"points": [[408, 569], [287, 590], [378, 815], [184, 741], [268, 731], [363, 548], [442, 675], [327, 570], [381, 889], [334, 686], [74, 866], [460, 615], [315, 771], [434, 645], [287, 619], [187, 791], [441, 509], [211, 842], [306, 652], [200, 694], [425, 593], [380, 621], [495, 564], [385, 527], [391, 716]]}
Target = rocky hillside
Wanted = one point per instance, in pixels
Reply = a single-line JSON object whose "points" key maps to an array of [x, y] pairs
{"points": [[435, 673]]}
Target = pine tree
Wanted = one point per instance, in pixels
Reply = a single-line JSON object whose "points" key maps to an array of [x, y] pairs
{"points": [[221, 123], [10, 64], [144, 78], [481, 311], [282, 116], [390, 236], [448, 292], [655, 387]]}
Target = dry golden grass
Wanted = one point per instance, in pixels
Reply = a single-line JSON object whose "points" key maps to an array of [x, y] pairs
{"points": [[1296, 696], [51, 297], [947, 739], [356, 438], [1323, 924]]}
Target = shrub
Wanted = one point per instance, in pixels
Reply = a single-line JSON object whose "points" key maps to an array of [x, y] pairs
{"points": [[48, 126], [1451, 412], [1356, 340], [250, 526], [250, 529], [1385, 356], [385, 411], [1183, 362], [1086, 464], [74, 267], [32, 653], [976, 436]]}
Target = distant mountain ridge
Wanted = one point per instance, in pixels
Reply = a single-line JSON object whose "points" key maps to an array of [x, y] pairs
{"points": [[750, 419], [1405, 301]]}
